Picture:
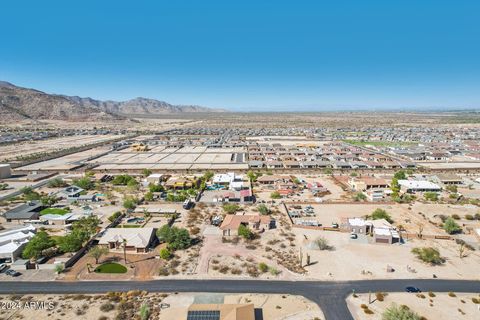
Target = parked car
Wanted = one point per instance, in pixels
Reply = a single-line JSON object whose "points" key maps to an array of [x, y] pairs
{"points": [[412, 289], [13, 273], [353, 236], [3, 266], [335, 225]]}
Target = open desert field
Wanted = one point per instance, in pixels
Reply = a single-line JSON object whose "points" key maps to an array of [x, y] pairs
{"points": [[429, 305]]}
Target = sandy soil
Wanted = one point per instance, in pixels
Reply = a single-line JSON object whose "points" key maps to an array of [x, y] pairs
{"points": [[439, 307], [350, 257]]}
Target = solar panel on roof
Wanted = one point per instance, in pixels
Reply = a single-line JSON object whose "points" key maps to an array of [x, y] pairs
{"points": [[203, 315]]}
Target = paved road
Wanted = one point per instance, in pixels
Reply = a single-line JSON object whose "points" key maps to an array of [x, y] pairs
{"points": [[330, 296], [33, 186]]}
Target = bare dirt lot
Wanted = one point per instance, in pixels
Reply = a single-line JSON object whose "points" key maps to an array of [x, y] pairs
{"points": [[438, 306], [349, 257]]}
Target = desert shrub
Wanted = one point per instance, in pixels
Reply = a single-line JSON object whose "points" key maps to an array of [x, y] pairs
{"points": [[245, 232], [455, 216], [431, 294], [273, 271], [107, 306], [381, 214], [476, 300], [380, 296], [402, 312], [428, 255], [451, 227], [452, 294], [368, 311], [236, 271], [275, 195], [165, 254], [322, 244], [431, 196], [469, 217], [263, 267]]}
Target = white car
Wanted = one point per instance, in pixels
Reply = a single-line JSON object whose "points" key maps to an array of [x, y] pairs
{"points": [[3, 266]]}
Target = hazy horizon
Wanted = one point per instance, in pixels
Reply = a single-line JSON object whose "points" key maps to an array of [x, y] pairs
{"points": [[249, 56]]}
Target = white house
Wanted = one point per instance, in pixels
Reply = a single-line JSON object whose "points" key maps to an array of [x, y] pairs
{"points": [[413, 186], [12, 242]]}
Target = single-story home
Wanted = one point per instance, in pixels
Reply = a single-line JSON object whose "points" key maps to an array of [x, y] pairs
{"points": [[367, 183], [221, 312], [137, 240], [413, 186], [13, 241], [27, 211], [255, 222]]}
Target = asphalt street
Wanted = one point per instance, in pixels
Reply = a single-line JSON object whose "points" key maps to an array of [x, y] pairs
{"points": [[330, 296]]}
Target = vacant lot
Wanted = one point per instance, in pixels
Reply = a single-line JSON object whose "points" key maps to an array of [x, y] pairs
{"points": [[357, 259], [438, 306]]}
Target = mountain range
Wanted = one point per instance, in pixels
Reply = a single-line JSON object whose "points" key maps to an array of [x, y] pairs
{"points": [[17, 103]]}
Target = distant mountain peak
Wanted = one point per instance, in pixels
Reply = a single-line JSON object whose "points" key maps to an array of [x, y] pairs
{"points": [[20, 103]]}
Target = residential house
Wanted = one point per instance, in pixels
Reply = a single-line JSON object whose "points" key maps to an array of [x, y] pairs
{"points": [[414, 186], [256, 222], [221, 312], [136, 240], [13, 241], [367, 183], [27, 211]]}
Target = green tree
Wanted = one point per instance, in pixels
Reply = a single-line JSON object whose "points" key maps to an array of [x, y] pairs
{"points": [[133, 184], [85, 227], [207, 176], [29, 194], [149, 196], [231, 208], [48, 201], [70, 243], [39, 242], [245, 232], [360, 196], [84, 183], [130, 203], [3, 186], [97, 252], [155, 187], [122, 180], [431, 196], [428, 255], [165, 254], [381, 214], [252, 176], [176, 238], [57, 183], [114, 216], [275, 195], [146, 172], [395, 186], [450, 226]]}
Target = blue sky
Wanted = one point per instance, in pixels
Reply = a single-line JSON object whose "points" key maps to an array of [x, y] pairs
{"points": [[249, 55]]}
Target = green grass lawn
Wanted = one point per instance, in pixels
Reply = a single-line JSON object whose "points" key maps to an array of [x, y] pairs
{"points": [[54, 211], [111, 267], [129, 226]]}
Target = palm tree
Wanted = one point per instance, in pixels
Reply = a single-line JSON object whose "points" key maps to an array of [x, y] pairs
{"points": [[125, 250]]}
